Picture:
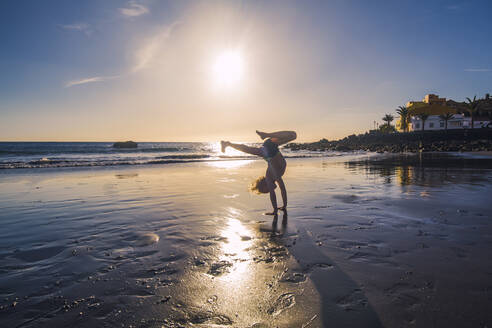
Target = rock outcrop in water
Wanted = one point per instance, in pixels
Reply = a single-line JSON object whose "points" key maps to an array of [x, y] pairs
{"points": [[125, 144], [450, 140]]}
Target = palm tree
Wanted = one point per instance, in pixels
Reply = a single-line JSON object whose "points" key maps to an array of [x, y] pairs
{"points": [[472, 108], [423, 117], [446, 117], [404, 117], [387, 127], [388, 118]]}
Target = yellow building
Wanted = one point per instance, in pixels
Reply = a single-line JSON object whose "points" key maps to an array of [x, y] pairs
{"points": [[434, 100], [430, 99], [431, 105]]}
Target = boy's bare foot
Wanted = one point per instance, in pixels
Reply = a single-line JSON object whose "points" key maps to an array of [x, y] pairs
{"points": [[223, 145], [262, 135]]}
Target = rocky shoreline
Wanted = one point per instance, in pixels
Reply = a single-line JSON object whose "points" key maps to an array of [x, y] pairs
{"points": [[435, 141]]}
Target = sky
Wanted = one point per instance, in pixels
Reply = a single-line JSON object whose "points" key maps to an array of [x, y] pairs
{"points": [[146, 70]]}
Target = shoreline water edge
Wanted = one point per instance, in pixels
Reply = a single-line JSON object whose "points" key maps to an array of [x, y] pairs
{"points": [[31, 155]]}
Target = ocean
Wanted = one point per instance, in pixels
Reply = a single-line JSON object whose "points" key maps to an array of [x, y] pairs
{"points": [[14, 155]]}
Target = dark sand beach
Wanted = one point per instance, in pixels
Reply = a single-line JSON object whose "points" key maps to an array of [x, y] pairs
{"points": [[368, 241]]}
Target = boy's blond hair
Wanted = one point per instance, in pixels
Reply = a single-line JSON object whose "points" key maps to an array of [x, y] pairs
{"points": [[260, 186]]}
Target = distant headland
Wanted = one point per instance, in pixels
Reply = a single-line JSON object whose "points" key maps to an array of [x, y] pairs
{"points": [[433, 124]]}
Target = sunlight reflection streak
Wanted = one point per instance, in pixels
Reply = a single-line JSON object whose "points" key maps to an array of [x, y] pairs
{"points": [[237, 247]]}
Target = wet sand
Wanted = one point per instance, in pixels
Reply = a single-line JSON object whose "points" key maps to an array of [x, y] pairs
{"points": [[369, 241]]}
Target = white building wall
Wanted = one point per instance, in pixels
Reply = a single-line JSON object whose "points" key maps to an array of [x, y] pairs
{"points": [[478, 124], [434, 122]]}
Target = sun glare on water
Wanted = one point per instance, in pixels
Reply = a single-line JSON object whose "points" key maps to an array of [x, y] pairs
{"points": [[228, 68]]}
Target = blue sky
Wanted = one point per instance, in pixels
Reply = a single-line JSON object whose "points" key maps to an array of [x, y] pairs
{"points": [[111, 70]]}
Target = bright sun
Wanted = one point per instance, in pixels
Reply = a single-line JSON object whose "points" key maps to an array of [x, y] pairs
{"points": [[228, 68]]}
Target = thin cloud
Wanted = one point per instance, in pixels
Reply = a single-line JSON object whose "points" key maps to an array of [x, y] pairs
{"points": [[478, 70], [80, 27], [153, 45], [453, 7], [76, 27], [143, 57], [90, 80], [133, 10]]}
